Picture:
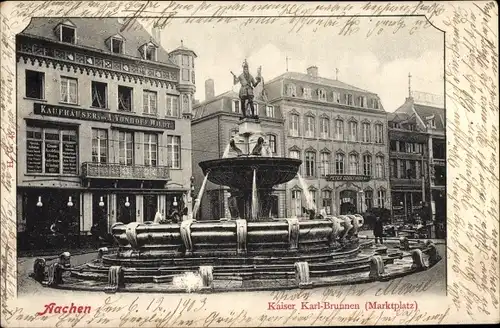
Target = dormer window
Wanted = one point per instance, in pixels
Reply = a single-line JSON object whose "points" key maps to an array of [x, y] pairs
{"points": [[151, 53], [322, 94], [307, 93], [116, 46]]}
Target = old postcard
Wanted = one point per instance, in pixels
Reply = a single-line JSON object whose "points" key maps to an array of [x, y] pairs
{"points": [[242, 164]]}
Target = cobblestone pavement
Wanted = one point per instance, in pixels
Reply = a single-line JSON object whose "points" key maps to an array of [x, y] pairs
{"points": [[434, 279]]}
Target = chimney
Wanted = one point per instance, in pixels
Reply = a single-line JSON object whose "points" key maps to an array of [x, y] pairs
{"points": [[209, 89], [312, 71], [156, 34]]}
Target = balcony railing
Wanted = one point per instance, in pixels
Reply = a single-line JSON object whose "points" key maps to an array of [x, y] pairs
{"points": [[406, 182], [121, 171]]}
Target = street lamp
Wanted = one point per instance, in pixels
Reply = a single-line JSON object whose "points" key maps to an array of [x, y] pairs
{"points": [[175, 201], [101, 202], [70, 203], [39, 203], [127, 203]]}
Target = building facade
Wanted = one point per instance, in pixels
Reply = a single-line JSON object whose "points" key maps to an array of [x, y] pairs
{"points": [[418, 135], [340, 133], [215, 122], [104, 127]]}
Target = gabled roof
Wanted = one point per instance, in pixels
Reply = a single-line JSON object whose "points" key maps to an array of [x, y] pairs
{"points": [[319, 80], [410, 108], [93, 32]]}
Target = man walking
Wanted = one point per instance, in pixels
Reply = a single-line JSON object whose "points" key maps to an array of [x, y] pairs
{"points": [[378, 230]]}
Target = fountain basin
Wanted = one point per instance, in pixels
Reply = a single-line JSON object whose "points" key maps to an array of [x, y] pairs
{"points": [[237, 172]]}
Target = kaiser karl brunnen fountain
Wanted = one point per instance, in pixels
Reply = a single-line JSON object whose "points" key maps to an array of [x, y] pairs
{"points": [[249, 250]]}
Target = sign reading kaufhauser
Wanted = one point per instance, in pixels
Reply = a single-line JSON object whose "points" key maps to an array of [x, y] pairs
{"points": [[91, 115], [347, 177]]}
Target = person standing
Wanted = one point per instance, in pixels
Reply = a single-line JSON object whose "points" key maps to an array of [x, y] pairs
{"points": [[378, 230]]}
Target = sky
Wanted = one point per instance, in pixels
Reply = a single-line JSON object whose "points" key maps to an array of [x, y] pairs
{"points": [[379, 63]]}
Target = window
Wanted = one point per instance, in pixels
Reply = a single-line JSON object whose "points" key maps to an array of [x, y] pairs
{"points": [[256, 108], [381, 198], [418, 170], [236, 106], [419, 148], [327, 201], [126, 148], [339, 163], [172, 106], [291, 90], [174, 152], [124, 98], [353, 131], [35, 84], [150, 149], [408, 147], [336, 97], [294, 154], [392, 145], [185, 74], [325, 159], [368, 199], [67, 34], [325, 128], [373, 103], [353, 164], [185, 104], [312, 192], [149, 102], [99, 146], [307, 93], [402, 169], [150, 53], [361, 101], [185, 60], [69, 90], [294, 125], [394, 168], [269, 111], [309, 126], [432, 123], [366, 132], [367, 165], [272, 143], [379, 167], [349, 100], [99, 95], [379, 133], [310, 163], [296, 203], [339, 129], [51, 150], [322, 94], [116, 45]]}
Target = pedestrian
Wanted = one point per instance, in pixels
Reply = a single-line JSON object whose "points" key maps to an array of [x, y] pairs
{"points": [[378, 230]]}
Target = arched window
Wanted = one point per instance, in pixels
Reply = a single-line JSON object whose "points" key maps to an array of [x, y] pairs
{"points": [[307, 93], [379, 167], [272, 143], [291, 90], [322, 94], [294, 125], [325, 127], [339, 163], [339, 129], [294, 153], [354, 163], [309, 126], [367, 164], [368, 199]]}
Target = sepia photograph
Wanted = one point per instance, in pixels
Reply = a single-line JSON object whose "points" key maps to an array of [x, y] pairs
{"points": [[298, 162]]}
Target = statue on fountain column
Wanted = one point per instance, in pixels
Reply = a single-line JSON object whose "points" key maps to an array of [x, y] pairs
{"points": [[246, 90]]}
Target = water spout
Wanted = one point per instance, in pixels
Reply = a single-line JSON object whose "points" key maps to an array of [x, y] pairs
{"points": [[309, 199], [255, 202], [200, 194], [226, 151]]}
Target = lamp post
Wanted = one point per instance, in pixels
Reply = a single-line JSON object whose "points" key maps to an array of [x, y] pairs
{"points": [[127, 205]]}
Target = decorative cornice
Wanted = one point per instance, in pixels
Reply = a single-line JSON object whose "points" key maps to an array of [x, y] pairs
{"points": [[109, 68]]}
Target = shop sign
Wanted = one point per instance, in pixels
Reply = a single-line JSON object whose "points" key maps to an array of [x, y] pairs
{"points": [[92, 115], [347, 177]]}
